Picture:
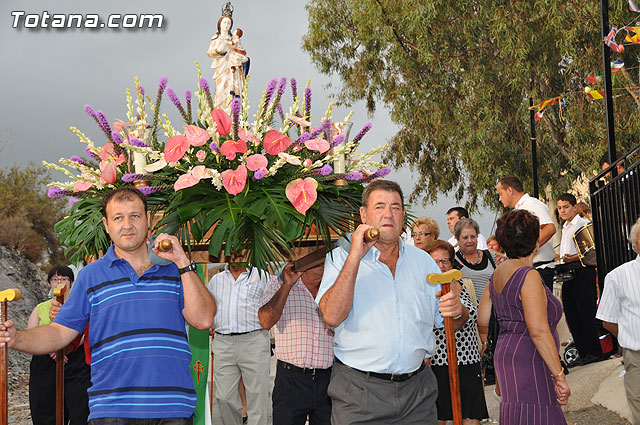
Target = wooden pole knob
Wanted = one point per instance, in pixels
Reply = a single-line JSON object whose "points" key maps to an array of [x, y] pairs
{"points": [[10, 295], [446, 277], [371, 234], [165, 245]]}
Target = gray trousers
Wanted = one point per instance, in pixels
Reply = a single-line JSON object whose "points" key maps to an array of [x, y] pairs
{"points": [[359, 399], [248, 356]]}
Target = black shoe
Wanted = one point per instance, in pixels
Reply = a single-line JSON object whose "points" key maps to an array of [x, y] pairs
{"points": [[576, 362], [588, 359], [245, 419]]}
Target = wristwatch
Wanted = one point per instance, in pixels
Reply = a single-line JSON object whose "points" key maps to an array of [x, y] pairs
{"points": [[190, 268]]}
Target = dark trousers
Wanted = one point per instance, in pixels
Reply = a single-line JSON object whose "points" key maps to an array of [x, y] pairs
{"points": [[296, 395], [579, 297], [358, 399], [42, 389], [547, 274]]}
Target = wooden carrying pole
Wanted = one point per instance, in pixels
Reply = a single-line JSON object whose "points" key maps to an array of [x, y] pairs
{"points": [[5, 296], [445, 280], [58, 293]]}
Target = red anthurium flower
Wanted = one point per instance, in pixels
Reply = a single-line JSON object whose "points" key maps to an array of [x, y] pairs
{"points": [[108, 172], [230, 148], [81, 186], [319, 145], [276, 142], [234, 180], [256, 162], [175, 148], [302, 193], [195, 135], [222, 120]]}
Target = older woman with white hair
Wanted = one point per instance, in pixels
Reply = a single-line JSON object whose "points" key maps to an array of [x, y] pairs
{"points": [[619, 310], [475, 264]]}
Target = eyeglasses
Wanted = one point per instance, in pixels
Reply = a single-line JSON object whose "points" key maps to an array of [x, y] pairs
{"points": [[421, 234], [443, 262], [59, 279]]}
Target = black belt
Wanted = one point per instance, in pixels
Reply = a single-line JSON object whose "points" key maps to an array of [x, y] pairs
{"points": [[541, 263], [303, 370], [388, 376], [237, 333]]}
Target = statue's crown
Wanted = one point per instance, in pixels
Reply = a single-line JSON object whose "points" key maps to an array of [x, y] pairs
{"points": [[227, 10]]}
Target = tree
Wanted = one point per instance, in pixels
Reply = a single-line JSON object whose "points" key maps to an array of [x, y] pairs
{"points": [[456, 77], [27, 215]]}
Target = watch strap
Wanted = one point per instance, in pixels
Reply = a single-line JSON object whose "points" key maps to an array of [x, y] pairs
{"points": [[192, 267]]}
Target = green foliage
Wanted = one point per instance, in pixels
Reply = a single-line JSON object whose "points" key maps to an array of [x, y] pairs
{"points": [[456, 77], [27, 215]]}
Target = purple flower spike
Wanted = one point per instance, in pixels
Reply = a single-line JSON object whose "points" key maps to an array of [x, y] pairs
{"points": [[56, 192], [214, 147], [90, 154], [362, 132], [303, 138], [131, 177], [259, 174], [326, 170], [134, 141], [270, 89], [102, 120], [380, 173], [187, 95], [149, 190], [307, 102], [236, 107], [117, 138], [294, 88], [280, 111], [89, 110], [174, 98], [204, 84], [354, 175], [163, 83], [337, 140], [76, 158], [142, 90], [282, 86]]}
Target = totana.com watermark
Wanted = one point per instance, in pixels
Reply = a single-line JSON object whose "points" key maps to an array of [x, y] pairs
{"points": [[22, 19]]}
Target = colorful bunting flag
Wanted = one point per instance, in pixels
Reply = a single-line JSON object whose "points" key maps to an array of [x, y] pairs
{"points": [[538, 115], [610, 40], [617, 65], [592, 78], [548, 102], [596, 94], [633, 6], [633, 35]]}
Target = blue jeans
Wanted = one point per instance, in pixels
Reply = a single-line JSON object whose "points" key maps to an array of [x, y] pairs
{"points": [[135, 421]]}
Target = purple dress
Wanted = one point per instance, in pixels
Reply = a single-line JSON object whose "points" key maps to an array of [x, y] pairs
{"points": [[528, 395]]}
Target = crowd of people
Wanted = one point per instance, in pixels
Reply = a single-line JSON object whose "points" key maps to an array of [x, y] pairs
{"points": [[358, 339]]}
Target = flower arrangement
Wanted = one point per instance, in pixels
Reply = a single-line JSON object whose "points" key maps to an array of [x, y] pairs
{"points": [[220, 179]]}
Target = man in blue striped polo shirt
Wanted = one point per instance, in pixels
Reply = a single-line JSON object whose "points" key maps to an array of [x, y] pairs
{"points": [[136, 313]]}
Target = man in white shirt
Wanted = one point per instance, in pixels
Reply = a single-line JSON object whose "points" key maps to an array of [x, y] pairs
{"points": [[454, 215], [240, 346], [512, 196], [579, 295], [620, 311]]}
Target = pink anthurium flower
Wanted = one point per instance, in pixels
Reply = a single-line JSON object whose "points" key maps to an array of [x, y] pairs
{"points": [[118, 125], [307, 163], [155, 166], [291, 159], [234, 180], [256, 161], [81, 186], [175, 148], [319, 145], [230, 148], [302, 193], [108, 172], [108, 153], [190, 179], [222, 120], [247, 136], [299, 121], [195, 135], [276, 142]]}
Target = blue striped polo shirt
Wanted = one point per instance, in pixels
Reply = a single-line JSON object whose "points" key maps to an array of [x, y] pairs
{"points": [[139, 350]]}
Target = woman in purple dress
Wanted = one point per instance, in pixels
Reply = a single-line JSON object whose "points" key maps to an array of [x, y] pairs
{"points": [[526, 358]]}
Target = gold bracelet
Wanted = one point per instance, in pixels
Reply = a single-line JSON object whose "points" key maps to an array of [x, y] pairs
{"points": [[559, 374]]}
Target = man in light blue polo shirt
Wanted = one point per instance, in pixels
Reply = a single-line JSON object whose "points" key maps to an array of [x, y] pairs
{"points": [[384, 311]]}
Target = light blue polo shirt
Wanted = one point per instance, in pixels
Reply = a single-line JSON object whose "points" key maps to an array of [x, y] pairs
{"points": [[390, 326]]}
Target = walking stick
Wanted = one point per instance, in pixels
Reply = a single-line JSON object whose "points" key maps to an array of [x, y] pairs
{"points": [[5, 296], [445, 280], [211, 386], [58, 293]]}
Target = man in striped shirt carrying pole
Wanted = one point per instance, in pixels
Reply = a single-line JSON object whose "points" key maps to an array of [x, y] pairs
{"points": [[136, 313], [304, 347], [240, 345], [620, 312]]}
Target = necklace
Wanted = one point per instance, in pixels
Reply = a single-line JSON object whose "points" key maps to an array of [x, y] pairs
{"points": [[475, 263]]}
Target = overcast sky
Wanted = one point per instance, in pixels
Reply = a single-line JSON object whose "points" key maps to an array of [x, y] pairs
{"points": [[48, 75]]}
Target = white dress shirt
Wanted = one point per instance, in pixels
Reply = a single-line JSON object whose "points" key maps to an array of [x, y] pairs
{"points": [[620, 303], [540, 210], [567, 246]]}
